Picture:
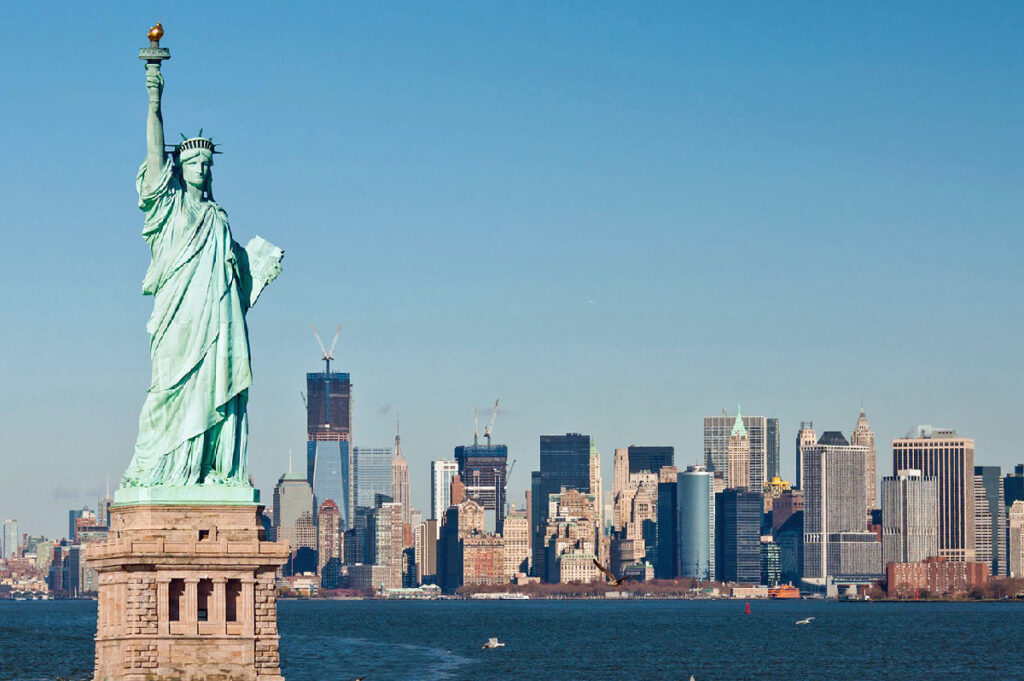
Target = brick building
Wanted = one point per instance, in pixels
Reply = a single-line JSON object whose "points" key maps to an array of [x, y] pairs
{"points": [[936, 575]]}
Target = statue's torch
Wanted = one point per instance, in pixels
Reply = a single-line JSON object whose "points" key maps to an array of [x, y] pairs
{"points": [[154, 54]]}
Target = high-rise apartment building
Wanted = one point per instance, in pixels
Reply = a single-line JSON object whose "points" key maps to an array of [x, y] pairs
{"points": [[400, 481], [329, 438], [649, 458], [516, 534], [949, 458], [371, 474], [10, 539], [989, 494], [696, 500], [620, 471], [482, 468], [564, 463], [738, 536], [329, 545], [763, 434], [864, 437], [596, 487], [833, 480], [441, 473], [737, 467], [386, 530], [910, 517], [805, 437]]}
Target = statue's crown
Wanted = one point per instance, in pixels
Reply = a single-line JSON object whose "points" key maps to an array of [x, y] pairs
{"points": [[197, 143]]}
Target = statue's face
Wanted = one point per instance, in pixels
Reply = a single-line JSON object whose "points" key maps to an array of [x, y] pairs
{"points": [[196, 169]]}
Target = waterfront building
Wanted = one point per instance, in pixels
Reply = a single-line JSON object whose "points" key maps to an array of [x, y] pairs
{"points": [[989, 504], [737, 470], [572, 526], [483, 560], [763, 436], [910, 517], [460, 522], [833, 480], [805, 437], [1015, 543], [564, 463], [328, 440], [483, 469], [949, 458], [329, 544], [516, 533], [771, 562], [10, 539], [649, 458], [936, 575], [371, 474], [865, 437], [696, 500], [368, 578], [400, 481], [441, 473], [666, 565], [576, 565], [854, 555], [1013, 485], [738, 536], [790, 538]]}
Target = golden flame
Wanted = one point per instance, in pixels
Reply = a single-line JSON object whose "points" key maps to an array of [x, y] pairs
{"points": [[156, 32]]}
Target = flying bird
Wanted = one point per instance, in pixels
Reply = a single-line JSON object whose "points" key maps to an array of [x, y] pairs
{"points": [[804, 621], [492, 643], [613, 580]]}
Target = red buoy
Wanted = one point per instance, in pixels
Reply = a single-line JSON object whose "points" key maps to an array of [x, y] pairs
{"points": [[747, 611]]}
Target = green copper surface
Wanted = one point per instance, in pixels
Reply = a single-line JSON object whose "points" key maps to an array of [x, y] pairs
{"points": [[191, 444], [737, 427]]}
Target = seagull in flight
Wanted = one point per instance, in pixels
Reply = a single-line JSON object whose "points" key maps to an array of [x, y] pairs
{"points": [[804, 621], [613, 580], [492, 643]]}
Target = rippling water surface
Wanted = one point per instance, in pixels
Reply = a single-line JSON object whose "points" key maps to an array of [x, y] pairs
{"points": [[583, 640]]}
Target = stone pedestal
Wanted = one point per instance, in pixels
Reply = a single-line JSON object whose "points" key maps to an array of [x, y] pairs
{"points": [[186, 593]]}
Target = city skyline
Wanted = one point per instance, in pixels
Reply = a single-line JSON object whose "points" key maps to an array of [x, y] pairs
{"points": [[616, 199]]}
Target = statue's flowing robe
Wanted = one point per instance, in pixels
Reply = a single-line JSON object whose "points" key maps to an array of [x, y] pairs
{"points": [[193, 425]]}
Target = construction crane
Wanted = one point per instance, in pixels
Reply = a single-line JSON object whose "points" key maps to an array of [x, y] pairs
{"points": [[490, 424], [328, 355], [476, 428], [504, 487]]}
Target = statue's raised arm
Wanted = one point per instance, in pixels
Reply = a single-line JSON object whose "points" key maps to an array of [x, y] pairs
{"points": [[155, 157]]}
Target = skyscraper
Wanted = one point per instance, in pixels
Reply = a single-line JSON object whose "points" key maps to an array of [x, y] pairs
{"points": [[833, 479], [696, 500], [667, 564], [595, 483], [910, 517], [989, 505], [329, 437], [293, 513], [386, 522], [772, 449], [10, 539], [804, 437], [371, 474], [949, 458], [1015, 542], [441, 473], [329, 545], [564, 463], [737, 470], [1013, 486], [620, 471], [864, 437], [482, 468], [763, 434], [649, 458], [738, 536], [400, 480]]}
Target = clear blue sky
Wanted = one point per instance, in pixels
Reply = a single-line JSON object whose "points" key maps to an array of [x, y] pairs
{"points": [[617, 219]]}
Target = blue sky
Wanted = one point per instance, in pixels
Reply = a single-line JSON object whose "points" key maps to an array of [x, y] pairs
{"points": [[617, 219]]}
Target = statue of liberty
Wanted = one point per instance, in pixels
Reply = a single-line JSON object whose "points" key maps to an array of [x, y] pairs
{"points": [[193, 425]]}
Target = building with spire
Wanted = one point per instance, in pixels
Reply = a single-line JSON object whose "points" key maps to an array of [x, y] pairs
{"points": [[863, 436], [737, 474], [763, 437], [400, 478]]}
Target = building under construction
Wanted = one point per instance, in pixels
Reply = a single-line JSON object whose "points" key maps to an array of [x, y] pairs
{"points": [[483, 468]]}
